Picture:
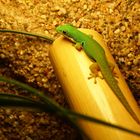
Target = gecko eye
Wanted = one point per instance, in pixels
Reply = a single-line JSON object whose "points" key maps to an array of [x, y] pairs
{"points": [[64, 32], [83, 43]]}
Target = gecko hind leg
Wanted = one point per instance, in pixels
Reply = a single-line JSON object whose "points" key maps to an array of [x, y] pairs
{"points": [[112, 67], [94, 72]]}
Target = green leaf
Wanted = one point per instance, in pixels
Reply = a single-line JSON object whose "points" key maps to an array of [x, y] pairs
{"points": [[48, 39], [65, 113], [21, 102]]}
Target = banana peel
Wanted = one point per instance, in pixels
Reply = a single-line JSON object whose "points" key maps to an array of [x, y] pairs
{"points": [[86, 97]]}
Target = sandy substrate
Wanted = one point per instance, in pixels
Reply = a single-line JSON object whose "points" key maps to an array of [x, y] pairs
{"points": [[26, 58]]}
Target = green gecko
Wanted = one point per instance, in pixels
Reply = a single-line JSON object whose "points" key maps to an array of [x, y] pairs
{"points": [[95, 52]]}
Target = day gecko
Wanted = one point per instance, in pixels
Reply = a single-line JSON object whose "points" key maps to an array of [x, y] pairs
{"points": [[95, 52]]}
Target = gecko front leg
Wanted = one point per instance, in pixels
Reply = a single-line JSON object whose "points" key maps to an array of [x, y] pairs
{"points": [[78, 46]]}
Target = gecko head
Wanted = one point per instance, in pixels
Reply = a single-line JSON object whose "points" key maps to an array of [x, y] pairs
{"points": [[65, 29]]}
